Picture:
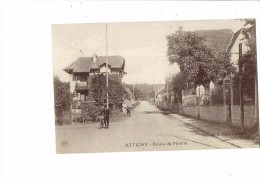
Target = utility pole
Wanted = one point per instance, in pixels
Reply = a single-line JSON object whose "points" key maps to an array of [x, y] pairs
{"points": [[241, 96], [167, 86], [256, 100], [71, 100], [107, 68], [134, 90], [154, 91]]}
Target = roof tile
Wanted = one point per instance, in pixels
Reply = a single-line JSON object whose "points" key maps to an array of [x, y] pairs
{"points": [[85, 64]]}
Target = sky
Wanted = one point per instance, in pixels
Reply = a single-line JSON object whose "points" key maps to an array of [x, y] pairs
{"points": [[143, 45]]}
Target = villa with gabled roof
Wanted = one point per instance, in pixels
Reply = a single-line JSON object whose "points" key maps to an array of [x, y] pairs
{"points": [[218, 38], [84, 68], [233, 47]]}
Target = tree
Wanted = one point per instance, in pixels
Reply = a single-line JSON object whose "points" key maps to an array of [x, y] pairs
{"points": [[140, 90], [61, 94], [199, 63], [249, 61], [99, 90], [138, 94], [177, 84]]}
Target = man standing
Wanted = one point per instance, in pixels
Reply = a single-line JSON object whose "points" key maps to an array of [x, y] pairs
{"points": [[128, 111], [106, 119], [101, 117]]}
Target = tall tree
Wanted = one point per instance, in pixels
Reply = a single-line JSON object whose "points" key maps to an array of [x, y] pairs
{"points": [[249, 60], [61, 94], [99, 90], [177, 84], [196, 60]]}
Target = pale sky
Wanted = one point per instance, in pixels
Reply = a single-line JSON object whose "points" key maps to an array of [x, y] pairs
{"points": [[142, 45]]}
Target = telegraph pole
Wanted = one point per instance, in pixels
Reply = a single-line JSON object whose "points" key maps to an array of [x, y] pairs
{"points": [[154, 91], [167, 87], [107, 68], [134, 90], [241, 97]]}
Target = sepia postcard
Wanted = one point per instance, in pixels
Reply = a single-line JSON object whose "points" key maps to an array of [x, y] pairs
{"points": [[155, 86]]}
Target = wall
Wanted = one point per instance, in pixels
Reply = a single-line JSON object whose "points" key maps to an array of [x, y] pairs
{"points": [[212, 113], [235, 115], [191, 111], [219, 114], [249, 115], [177, 108]]}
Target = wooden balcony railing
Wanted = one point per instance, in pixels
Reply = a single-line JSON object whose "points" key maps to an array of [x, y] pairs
{"points": [[82, 86]]}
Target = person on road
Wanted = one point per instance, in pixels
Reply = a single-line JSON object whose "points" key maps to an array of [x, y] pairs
{"points": [[128, 111], [102, 118], [106, 119], [124, 108]]}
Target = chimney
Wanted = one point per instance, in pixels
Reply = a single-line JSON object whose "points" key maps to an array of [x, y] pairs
{"points": [[94, 58]]}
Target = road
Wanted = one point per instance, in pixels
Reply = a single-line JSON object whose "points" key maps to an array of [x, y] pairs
{"points": [[148, 129]]}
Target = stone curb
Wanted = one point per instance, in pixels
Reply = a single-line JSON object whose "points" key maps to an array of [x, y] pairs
{"points": [[220, 138]]}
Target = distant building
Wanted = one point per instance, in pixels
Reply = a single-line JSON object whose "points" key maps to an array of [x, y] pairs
{"points": [[84, 68]]}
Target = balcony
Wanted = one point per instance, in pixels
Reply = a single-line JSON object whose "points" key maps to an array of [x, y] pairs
{"points": [[81, 86]]}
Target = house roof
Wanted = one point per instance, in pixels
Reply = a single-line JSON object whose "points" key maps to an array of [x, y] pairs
{"points": [[85, 64], [219, 38], [233, 40]]}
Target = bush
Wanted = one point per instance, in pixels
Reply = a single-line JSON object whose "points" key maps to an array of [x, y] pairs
{"points": [[99, 90], [61, 94], [90, 111], [217, 96], [62, 117], [248, 86]]}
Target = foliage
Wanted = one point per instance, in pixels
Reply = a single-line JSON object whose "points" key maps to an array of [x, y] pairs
{"points": [[99, 90], [199, 63], [63, 118], [248, 87], [143, 90], [217, 95], [90, 111], [236, 96], [177, 84], [61, 94], [249, 61], [249, 31], [138, 94], [151, 94], [127, 93]]}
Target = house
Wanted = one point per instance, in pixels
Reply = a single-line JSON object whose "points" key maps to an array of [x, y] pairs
{"points": [[233, 47], [84, 68], [218, 38]]}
